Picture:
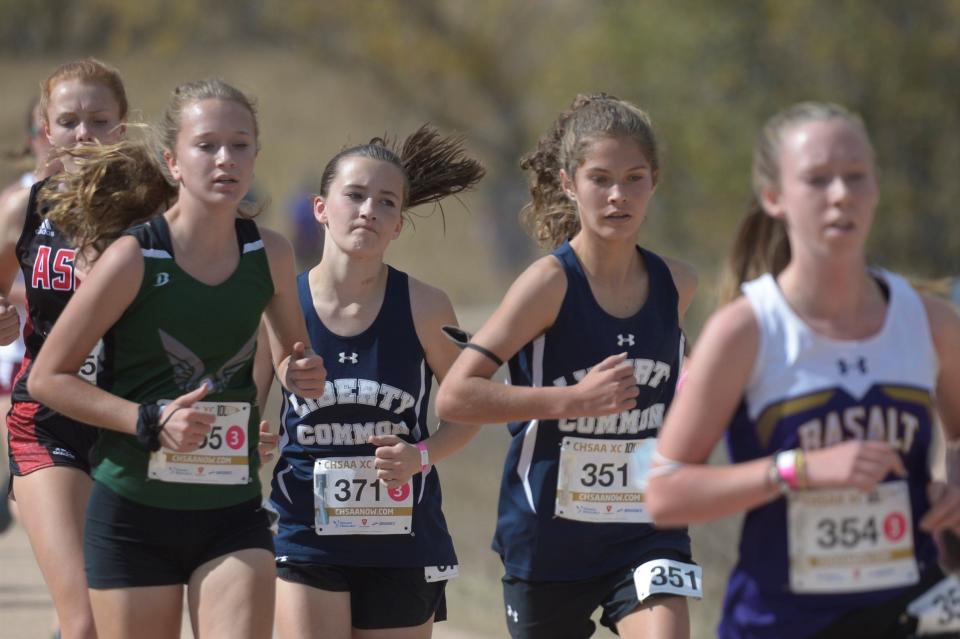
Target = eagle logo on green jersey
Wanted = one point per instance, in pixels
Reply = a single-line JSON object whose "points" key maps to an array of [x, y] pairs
{"points": [[189, 370]]}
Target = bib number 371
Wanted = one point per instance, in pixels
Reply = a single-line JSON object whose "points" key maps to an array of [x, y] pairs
{"points": [[668, 577], [349, 499]]}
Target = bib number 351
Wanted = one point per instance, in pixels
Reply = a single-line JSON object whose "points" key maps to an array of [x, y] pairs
{"points": [[668, 577], [938, 610]]}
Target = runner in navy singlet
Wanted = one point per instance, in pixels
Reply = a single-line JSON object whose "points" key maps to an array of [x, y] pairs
{"points": [[592, 333], [825, 376], [81, 102], [363, 548]]}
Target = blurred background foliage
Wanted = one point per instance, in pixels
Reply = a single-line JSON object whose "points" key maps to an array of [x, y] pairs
{"points": [[330, 73], [499, 71]]}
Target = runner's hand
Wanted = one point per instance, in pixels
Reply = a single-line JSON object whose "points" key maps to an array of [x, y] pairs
{"points": [[305, 374], [9, 322], [853, 464], [396, 460], [184, 427], [943, 521], [268, 442], [944, 513], [610, 387]]}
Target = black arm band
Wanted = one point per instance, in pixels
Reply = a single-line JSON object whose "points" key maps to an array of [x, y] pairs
{"points": [[461, 338], [485, 352], [149, 426]]}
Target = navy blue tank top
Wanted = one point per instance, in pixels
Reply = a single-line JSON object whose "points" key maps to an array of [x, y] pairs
{"points": [[378, 382], [533, 543]]}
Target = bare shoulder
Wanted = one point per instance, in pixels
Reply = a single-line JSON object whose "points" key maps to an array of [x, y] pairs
{"points": [[544, 279], [279, 255], [432, 310], [944, 322], [274, 242], [428, 302], [733, 328], [685, 278], [13, 213], [120, 264], [684, 274], [529, 308], [124, 251]]}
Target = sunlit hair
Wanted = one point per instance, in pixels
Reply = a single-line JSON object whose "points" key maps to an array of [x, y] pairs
{"points": [[87, 70], [113, 187], [761, 244], [433, 167], [197, 91], [550, 217], [117, 185]]}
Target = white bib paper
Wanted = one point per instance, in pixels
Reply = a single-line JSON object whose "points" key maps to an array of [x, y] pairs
{"points": [[88, 371], [669, 577], [849, 541], [222, 457], [938, 610], [603, 480], [440, 573], [349, 499]]}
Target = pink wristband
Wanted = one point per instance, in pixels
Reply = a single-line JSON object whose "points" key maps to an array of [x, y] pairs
{"points": [[787, 468], [681, 380], [424, 456]]}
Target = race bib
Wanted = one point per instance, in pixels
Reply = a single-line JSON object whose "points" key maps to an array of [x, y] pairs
{"points": [[91, 364], [849, 541], [938, 610], [348, 499], [440, 573], [222, 457], [668, 577], [603, 480]]}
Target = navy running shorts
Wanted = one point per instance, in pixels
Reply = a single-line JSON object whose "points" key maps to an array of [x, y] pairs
{"points": [[380, 598]]}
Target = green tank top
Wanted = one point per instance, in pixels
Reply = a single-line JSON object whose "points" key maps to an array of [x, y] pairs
{"points": [[177, 333]]}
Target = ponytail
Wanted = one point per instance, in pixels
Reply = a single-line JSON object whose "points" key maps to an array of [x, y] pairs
{"points": [[760, 247], [433, 167], [436, 167]]}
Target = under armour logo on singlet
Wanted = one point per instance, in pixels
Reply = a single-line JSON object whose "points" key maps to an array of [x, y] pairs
{"points": [[513, 613], [629, 340], [353, 358], [845, 366]]}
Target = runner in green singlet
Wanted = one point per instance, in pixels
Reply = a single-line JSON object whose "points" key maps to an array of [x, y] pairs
{"points": [[177, 301]]}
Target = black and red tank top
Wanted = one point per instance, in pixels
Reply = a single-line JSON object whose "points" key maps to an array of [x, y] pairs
{"points": [[46, 259]]}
